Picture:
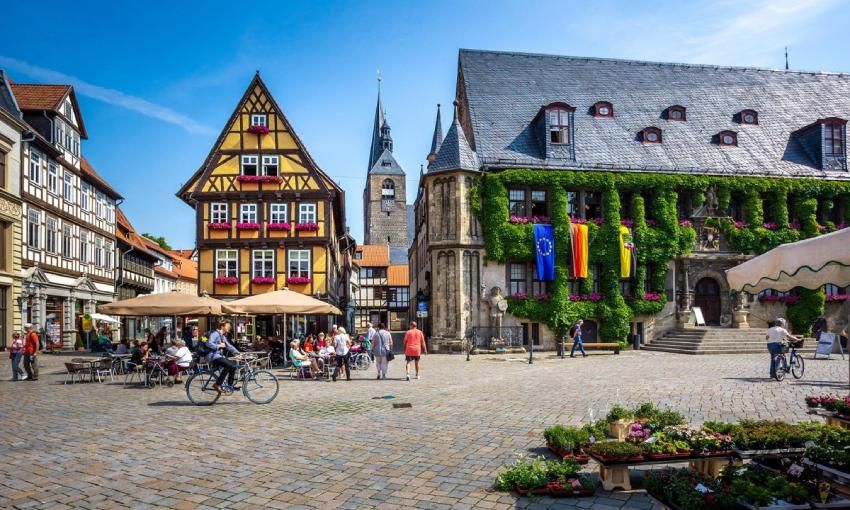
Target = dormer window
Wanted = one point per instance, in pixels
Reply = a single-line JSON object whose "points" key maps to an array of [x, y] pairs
{"points": [[559, 125], [651, 135], [676, 113], [727, 139], [748, 117], [603, 109], [259, 119], [833, 133]]}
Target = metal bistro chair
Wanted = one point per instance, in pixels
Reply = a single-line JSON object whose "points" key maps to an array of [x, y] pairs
{"points": [[133, 371], [76, 372], [103, 369]]}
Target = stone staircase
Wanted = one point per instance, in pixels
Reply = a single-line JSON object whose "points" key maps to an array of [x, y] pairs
{"points": [[715, 340]]}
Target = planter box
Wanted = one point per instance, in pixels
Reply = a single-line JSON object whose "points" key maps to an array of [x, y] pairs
{"points": [[619, 430], [579, 456], [537, 491], [634, 459], [663, 456], [783, 506], [746, 454], [571, 493], [834, 473]]}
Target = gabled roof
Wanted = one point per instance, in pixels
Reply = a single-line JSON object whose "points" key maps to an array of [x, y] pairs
{"points": [[125, 232], [38, 97], [165, 272], [185, 253], [501, 92], [8, 103], [95, 178], [455, 152], [386, 164], [373, 255], [184, 267], [398, 275], [154, 246]]}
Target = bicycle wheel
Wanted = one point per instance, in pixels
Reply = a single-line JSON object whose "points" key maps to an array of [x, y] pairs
{"points": [[798, 366], [260, 386], [363, 362], [199, 389], [781, 366]]}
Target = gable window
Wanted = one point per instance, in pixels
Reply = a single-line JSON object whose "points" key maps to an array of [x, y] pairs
{"points": [[517, 277], [278, 213], [52, 178], [833, 143], [249, 165], [98, 251], [676, 113], [306, 213], [225, 263], [84, 247], [35, 167], [259, 119], [603, 109], [270, 165], [748, 117], [52, 233], [66, 240], [248, 213], [262, 265], [68, 189], [33, 229], [559, 125], [727, 139], [218, 212], [651, 135], [98, 204], [299, 263], [84, 196]]}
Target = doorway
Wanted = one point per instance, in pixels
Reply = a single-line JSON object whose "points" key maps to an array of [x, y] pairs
{"points": [[707, 297]]}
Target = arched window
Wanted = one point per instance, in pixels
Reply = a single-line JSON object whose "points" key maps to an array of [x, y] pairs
{"points": [[388, 189], [727, 139], [603, 109], [748, 117]]}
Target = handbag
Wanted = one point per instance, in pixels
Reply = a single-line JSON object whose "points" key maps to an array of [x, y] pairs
{"points": [[390, 355]]}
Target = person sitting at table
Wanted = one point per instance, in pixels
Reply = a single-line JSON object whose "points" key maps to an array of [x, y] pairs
{"points": [[300, 360], [172, 349], [123, 347], [179, 361], [322, 343], [139, 357], [309, 347]]}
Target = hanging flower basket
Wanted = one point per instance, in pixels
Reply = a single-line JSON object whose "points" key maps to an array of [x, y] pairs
{"points": [[226, 280], [219, 226], [262, 280], [259, 130], [307, 227], [592, 297], [298, 280], [248, 226], [279, 226]]}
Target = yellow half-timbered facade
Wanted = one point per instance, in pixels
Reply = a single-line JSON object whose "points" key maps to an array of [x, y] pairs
{"points": [[267, 217]]}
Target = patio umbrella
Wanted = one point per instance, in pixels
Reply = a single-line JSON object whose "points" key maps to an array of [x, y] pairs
{"points": [[279, 302], [164, 305], [105, 318]]}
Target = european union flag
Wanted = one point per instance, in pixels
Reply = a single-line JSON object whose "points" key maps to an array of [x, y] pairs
{"points": [[544, 243]]}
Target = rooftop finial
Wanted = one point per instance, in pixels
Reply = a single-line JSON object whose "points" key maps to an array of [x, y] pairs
{"points": [[786, 58], [455, 103], [379, 81]]}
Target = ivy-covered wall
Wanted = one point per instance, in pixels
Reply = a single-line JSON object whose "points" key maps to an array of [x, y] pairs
{"points": [[659, 235]]}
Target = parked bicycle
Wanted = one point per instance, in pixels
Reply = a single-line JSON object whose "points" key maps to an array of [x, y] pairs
{"points": [[794, 363], [259, 386]]}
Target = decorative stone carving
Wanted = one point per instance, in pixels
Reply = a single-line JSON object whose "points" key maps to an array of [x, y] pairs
{"points": [[10, 210], [711, 202], [708, 239], [498, 307]]}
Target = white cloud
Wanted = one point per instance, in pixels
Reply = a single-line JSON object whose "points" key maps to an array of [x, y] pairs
{"points": [[109, 96]]}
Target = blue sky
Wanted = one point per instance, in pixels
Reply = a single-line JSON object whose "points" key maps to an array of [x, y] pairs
{"points": [[157, 81]]}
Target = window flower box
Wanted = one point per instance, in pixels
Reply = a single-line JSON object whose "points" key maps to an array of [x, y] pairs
{"points": [[276, 179], [307, 227], [592, 297], [279, 226], [652, 296], [519, 295], [248, 178], [219, 226], [837, 298], [259, 130], [518, 220], [248, 226], [262, 280], [226, 280], [298, 280], [522, 220]]}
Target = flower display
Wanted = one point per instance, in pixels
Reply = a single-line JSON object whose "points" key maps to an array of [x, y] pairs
{"points": [[627, 222], [307, 227], [226, 280], [740, 224], [773, 298], [248, 226], [519, 295], [279, 226], [770, 225], [259, 130], [840, 226], [543, 296], [259, 178], [298, 280], [652, 296], [833, 298], [262, 279], [686, 224], [639, 432], [593, 297], [219, 226], [521, 220]]}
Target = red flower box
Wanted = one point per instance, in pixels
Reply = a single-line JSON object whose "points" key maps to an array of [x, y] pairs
{"points": [[260, 178], [259, 130], [262, 280], [226, 280], [298, 280], [307, 227], [279, 226], [219, 226], [248, 226]]}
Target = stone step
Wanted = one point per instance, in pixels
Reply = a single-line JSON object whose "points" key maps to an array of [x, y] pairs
{"points": [[680, 350], [715, 340]]}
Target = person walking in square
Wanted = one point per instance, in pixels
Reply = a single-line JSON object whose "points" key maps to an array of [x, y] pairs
{"points": [[575, 336], [414, 348], [31, 353], [342, 346], [382, 347], [16, 354]]}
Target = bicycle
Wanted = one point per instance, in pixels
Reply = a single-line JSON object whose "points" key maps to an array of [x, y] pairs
{"points": [[258, 386], [793, 364]]}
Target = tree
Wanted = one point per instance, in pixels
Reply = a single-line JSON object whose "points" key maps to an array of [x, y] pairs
{"points": [[158, 240]]}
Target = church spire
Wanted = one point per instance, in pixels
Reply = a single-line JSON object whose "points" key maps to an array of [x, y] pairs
{"points": [[437, 140], [381, 138]]}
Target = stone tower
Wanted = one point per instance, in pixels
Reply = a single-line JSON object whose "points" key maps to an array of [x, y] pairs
{"points": [[384, 198]]}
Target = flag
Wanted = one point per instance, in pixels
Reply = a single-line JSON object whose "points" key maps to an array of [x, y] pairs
{"points": [[627, 247], [578, 240], [544, 243]]}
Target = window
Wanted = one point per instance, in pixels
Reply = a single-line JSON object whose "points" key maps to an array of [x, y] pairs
{"points": [[603, 109], [651, 135], [516, 202], [399, 297], [388, 189], [249, 165], [52, 178], [3, 155], [592, 204], [33, 229], [270, 165], [248, 213], [596, 276], [98, 204], [98, 252], [68, 189], [52, 233], [225, 263], [727, 139], [263, 264], [573, 209], [736, 207], [110, 251], [517, 281], [306, 213], [110, 212], [66, 240], [259, 119], [676, 113], [278, 213], [218, 212], [84, 196], [626, 287], [35, 167], [833, 141], [299, 263], [559, 125], [538, 288], [358, 255], [748, 117], [84, 247], [539, 205], [833, 290]]}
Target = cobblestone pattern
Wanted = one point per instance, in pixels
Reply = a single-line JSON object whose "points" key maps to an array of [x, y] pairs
{"points": [[340, 445]]}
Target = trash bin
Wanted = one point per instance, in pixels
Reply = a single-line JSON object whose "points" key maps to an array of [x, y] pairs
{"points": [[636, 342]]}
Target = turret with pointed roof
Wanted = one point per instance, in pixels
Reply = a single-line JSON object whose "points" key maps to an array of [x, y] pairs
{"points": [[437, 139], [455, 152]]}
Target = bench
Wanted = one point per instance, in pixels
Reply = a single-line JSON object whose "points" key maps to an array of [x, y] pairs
{"points": [[596, 345]]}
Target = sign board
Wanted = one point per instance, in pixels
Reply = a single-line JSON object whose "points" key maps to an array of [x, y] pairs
{"points": [[422, 306], [825, 343], [88, 324], [699, 320], [53, 332], [421, 314]]}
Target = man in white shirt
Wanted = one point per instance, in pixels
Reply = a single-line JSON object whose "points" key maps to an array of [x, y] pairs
{"points": [[342, 344], [775, 336]]}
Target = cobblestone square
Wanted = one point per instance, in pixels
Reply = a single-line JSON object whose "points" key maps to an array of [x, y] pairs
{"points": [[343, 444]]}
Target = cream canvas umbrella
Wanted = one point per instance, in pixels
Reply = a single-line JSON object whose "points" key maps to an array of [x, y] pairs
{"points": [[811, 264], [164, 305], [279, 302]]}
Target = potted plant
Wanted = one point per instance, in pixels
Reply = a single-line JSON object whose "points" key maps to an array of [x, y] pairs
{"points": [[618, 419], [566, 442], [78, 345], [612, 452], [537, 476]]}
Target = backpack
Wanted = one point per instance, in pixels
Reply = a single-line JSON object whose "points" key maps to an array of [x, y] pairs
{"points": [[573, 331], [203, 348]]}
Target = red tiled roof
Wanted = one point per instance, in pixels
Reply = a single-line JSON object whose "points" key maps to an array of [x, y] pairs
{"points": [[125, 232], [165, 272], [373, 255], [186, 269], [90, 172], [153, 245], [398, 275], [186, 254], [32, 96]]}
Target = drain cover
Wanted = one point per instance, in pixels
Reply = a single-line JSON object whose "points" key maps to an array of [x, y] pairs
{"points": [[403, 405]]}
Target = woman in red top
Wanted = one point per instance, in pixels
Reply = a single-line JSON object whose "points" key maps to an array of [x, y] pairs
{"points": [[16, 354], [414, 347]]}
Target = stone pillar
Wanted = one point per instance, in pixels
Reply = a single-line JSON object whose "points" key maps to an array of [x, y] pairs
{"points": [[740, 313], [69, 327]]}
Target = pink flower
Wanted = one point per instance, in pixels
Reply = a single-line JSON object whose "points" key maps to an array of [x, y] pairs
{"points": [[248, 226], [307, 227], [652, 296], [298, 280], [248, 178], [597, 220], [594, 297], [219, 226], [520, 220], [740, 224], [519, 295], [770, 225], [627, 222], [259, 130], [262, 280], [226, 280], [279, 226], [685, 224]]}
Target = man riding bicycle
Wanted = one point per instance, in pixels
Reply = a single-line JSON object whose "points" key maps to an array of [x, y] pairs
{"points": [[216, 359], [775, 338]]}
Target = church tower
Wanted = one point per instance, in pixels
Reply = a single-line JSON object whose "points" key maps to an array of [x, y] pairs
{"points": [[384, 198]]}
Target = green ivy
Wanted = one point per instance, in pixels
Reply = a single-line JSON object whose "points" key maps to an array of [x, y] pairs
{"points": [[804, 312]]}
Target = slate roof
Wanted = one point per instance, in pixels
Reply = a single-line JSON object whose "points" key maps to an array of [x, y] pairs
{"points": [[386, 164], [437, 139], [455, 152], [504, 91], [7, 98]]}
